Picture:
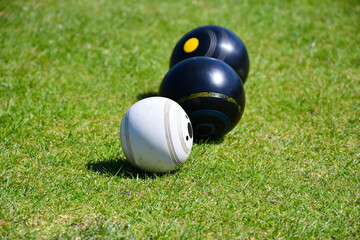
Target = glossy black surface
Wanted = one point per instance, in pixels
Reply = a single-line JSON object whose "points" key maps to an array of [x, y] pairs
{"points": [[210, 92], [216, 42]]}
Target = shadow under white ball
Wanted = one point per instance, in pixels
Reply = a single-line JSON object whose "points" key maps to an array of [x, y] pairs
{"points": [[156, 135]]}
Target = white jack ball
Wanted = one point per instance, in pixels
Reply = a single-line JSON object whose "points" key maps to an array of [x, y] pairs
{"points": [[156, 135]]}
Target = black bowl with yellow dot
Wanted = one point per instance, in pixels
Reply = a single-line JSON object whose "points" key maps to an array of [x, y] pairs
{"points": [[215, 42]]}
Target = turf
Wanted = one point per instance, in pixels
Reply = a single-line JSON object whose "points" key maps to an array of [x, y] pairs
{"points": [[70, 69]]}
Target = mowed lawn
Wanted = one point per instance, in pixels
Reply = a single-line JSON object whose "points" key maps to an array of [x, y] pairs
{"points": [[69, 70]]}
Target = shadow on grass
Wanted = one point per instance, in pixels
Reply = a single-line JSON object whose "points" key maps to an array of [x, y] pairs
{"points": [[209, 141], [119, 167], [141, 96]]}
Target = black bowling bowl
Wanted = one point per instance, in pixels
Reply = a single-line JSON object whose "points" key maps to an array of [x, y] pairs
{"points": [[210, 92], [216, 42]]}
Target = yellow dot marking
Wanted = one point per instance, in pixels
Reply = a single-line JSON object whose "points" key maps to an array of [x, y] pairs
{"points": [[191, 45]]}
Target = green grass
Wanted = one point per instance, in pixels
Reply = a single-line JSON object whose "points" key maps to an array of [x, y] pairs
{"points": [[69, 70]]}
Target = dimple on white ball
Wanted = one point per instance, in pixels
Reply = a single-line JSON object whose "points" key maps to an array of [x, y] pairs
{"points": [[156, 135]]}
